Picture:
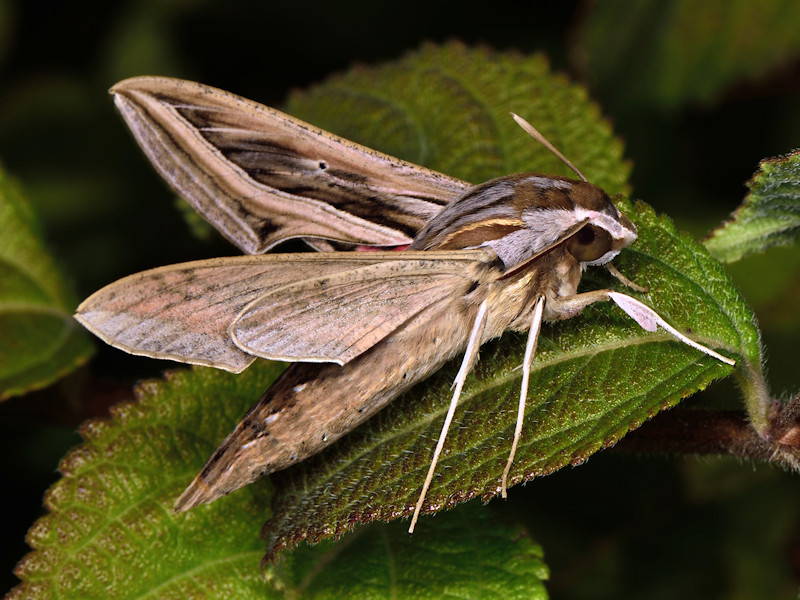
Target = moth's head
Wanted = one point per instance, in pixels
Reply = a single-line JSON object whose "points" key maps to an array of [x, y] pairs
{"points": [[606, 230], [523, 215]]}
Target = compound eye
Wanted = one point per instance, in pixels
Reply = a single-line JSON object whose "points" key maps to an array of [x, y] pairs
{"points": [[589, 244]]}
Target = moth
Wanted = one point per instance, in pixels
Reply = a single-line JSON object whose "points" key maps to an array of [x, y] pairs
{"points": [[361, 327]]}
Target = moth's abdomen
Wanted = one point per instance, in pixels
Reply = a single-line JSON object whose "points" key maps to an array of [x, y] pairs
{"points": [[312, 405]]}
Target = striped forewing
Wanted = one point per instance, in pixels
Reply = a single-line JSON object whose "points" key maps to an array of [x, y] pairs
{"points": [[261, 177]]}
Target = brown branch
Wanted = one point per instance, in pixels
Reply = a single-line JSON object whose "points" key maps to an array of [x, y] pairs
{"points": [[707, 432]]}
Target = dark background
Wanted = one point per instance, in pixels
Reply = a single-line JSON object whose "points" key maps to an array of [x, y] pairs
{"points": [[106, 214]]}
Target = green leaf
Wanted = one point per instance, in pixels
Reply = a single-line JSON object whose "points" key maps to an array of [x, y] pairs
{"points": [[39, 340], [769, 215], [579, 362], [595, 377], [673, 52], [111, 533], [462, 554]]}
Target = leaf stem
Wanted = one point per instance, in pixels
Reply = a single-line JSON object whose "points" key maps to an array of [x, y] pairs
{"points": [[709, 432]]}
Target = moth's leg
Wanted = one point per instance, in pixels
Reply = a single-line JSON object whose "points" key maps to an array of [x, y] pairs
{"points": [[569, 306], [649, 319], [530, 348], [646, 317], [624, 280], [470, 355]]}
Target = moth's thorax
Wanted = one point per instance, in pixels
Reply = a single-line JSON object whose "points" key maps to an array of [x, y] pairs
{"points": [[521, 215], [554, 275]]}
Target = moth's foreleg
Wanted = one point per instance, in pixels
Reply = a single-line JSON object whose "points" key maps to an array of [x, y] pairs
{"points": [[470, 355], [530, 348], [646, 317], [566, 307], [650, 320]]}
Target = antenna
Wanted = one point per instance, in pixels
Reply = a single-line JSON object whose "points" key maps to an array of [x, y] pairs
{"points": [[534, 133]]}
